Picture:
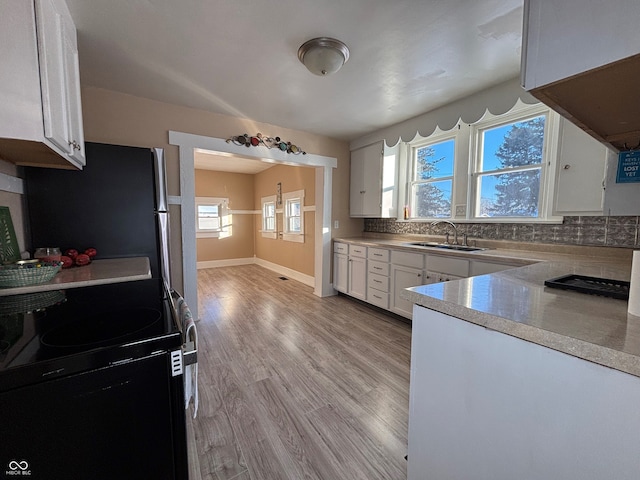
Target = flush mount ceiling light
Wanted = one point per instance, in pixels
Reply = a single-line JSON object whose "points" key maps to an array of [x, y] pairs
{"points": [[323, 56]]}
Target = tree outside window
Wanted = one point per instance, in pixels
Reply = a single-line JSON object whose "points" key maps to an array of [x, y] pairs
{"points": [[510, 169]]}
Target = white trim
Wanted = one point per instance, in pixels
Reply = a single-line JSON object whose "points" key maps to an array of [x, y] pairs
{"points": [[324, 178], [497, 99], [310, 208], [11, 184], [174, 200], [244, 212], [288, 272], [231, 262]]}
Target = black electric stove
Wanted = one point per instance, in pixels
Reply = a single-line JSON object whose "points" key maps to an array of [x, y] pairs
{"points": [[92, 368]]}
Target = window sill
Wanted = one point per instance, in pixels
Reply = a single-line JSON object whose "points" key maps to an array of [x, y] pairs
{"points": [[207, 234], [269, 235], [293, 237]]}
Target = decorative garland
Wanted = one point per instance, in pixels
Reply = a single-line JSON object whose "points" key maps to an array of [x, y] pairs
{"points": [[269, 142]]}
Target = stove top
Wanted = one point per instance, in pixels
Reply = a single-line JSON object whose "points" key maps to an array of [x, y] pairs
{"points": [[60, 331]]}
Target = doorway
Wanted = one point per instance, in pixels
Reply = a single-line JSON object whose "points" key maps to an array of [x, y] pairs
{"points": [[187, 143]]}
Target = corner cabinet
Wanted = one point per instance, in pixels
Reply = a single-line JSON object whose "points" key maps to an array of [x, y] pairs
{"points": [[41, 119], [592, 83], [373, 181]]}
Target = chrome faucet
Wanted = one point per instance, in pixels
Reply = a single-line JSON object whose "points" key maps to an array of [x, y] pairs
{"points": [[455, 230]]}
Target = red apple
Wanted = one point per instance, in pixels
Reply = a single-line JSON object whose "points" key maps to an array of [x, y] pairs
{"points": [[82, 259], [66, 261], [91, 252], [72, 253]]}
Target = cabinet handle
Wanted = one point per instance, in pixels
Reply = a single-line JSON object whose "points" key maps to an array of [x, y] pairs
{"points": [[75, 145], [376, 296], [419, 275], [567, 167]]}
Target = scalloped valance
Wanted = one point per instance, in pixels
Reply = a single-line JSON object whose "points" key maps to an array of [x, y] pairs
{"points": [[496, 100]]}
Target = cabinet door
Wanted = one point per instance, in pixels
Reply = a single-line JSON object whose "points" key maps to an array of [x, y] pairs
{"points": [[358, 277], [581, 170], [51, 47], [366, 181], [340, 272], [60, 81], [401, 278], [74, 103]]}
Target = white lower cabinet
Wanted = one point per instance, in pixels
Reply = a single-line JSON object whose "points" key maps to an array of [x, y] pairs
{"points": [[357, 277], [340, 271], [401, 278], [350, 269], [378, 277], [341, 267]]}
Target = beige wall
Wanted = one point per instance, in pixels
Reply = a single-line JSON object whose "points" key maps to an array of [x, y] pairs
{"points": [[297, 256], [111, 117], [239, 189]]}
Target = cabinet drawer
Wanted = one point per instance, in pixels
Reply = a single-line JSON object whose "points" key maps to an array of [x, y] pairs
{"points": [[379, 254], [379, 268], [453, 266], [357, 251], [407, 259], [378, 282], [341, 248], [378, 298]]}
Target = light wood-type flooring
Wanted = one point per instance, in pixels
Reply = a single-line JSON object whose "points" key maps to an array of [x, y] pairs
{"points": [[293, 386]]}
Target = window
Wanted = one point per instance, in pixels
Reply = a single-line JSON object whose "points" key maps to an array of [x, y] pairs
{"points": [[499, 169], [269, 217], [432, 179], [293, 216], [211, 216], [509, 168]]}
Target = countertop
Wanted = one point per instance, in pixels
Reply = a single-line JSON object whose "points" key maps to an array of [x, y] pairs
{"points": [[516, 302], [98, 272]]}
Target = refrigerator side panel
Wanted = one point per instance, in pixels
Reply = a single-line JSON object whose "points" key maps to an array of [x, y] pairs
{"points": [[109, 205]]}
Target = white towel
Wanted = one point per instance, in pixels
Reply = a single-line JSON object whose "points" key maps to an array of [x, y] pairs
{"points": [[190, 371]]}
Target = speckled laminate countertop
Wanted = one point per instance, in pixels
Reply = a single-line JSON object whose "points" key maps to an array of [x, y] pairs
{"points": [[517, 303], [99, 272]]}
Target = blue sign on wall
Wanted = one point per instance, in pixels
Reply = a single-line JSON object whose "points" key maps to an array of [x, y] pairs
{"points": [[628, 167]]}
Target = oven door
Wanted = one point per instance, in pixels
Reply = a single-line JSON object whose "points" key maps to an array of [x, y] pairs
{"points": [[113, 422]]}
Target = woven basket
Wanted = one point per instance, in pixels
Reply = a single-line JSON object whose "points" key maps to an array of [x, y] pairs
{"points": [[28, 274]]}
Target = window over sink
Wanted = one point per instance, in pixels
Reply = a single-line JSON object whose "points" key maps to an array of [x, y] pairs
{"points": [[497, 169]]}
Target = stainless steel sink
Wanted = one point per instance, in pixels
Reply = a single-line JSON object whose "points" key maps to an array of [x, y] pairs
{"points": [[446, 246]]}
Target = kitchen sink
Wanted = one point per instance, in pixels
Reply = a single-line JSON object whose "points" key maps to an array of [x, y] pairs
{"points": [[446, 246]]}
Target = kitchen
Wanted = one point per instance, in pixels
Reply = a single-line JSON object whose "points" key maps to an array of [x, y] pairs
{"points": [[111, 117]]}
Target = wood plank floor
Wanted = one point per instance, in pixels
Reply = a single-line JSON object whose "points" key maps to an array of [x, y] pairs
{"points": [[293, 386]]}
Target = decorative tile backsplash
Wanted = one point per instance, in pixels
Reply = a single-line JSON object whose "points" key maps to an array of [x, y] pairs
{"points": [[592, 231]]}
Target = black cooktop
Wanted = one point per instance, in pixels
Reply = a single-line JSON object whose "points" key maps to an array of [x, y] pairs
{"points": [[59, 332]]}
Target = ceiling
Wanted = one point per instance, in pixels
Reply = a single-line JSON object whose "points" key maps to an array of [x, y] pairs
{"points": [[239, 57]]}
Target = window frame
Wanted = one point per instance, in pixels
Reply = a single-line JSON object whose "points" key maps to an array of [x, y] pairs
{"points": [[434, 139], [465, 155], [288, 235], [517, 114], [265, 231], [223, 212]]}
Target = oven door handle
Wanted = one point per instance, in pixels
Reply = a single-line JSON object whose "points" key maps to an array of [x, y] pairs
{"points": [[188, 328]]}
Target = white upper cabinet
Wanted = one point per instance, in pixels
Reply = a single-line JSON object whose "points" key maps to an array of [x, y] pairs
{"points": [[373, 181], [581, 165], [41, 122], [582, 59]]}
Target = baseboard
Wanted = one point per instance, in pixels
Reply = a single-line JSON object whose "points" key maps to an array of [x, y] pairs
{"points": [[288, 272], [231, 262]]}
